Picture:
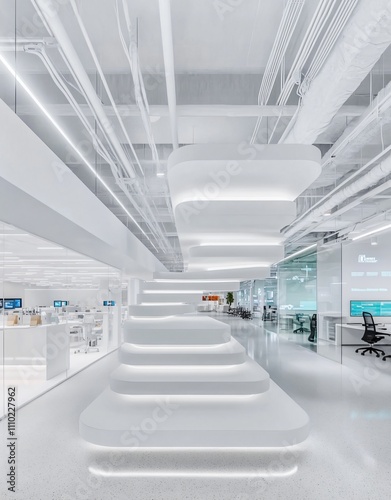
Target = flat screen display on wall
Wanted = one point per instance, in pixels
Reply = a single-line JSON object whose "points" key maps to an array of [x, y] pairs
{"points": [[379, 308]]}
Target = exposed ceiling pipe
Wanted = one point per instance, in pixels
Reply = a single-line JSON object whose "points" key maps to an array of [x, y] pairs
{"points": [[168, 54], [380, 105], [40, 51], [103, 79], [374, 176], [365, 38], [345, 208], [310, 38], [54, 25], [71, 57], [334, 30], [285, 32], [131, 52], [377, 109], [307, 46]]}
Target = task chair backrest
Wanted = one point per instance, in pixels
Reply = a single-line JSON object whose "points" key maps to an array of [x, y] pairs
{"points": [[313, 323], [370, 327]]}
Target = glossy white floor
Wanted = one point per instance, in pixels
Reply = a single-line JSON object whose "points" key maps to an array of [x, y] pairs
{"points": [[346, 456]]}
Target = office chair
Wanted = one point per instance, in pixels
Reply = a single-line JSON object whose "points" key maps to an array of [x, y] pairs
{"points": [[300, 320], [90, 336], [370, 336], [313, 328]]}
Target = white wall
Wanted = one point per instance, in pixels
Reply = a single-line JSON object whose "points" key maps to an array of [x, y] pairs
{"points": [[13, 290], [366, 271]]}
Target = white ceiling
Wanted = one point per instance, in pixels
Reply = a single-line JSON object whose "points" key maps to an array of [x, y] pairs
{"points": [[219, 61], [31, 261]]}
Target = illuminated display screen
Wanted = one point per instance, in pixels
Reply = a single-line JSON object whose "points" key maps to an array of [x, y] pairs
{"points": [[379, 308]]}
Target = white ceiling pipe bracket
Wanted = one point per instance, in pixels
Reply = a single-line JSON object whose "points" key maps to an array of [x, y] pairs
{"points": [[168, 54], [366, 37]]}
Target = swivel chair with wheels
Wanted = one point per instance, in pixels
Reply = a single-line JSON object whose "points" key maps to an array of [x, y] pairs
{"points": [[300, 320], [313, 327], [370, 336]]}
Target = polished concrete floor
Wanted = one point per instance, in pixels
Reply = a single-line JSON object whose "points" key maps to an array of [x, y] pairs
{"points": [[347, 455]]}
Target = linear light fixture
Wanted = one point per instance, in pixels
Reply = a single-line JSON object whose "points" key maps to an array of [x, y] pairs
{"points": [[69, 141], [297, 253], [239, 267], [192, 473], [240, 244], [375, 231], [50, 248]]}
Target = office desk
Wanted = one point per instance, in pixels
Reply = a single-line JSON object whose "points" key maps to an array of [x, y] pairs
{"points": [[349, 334]]}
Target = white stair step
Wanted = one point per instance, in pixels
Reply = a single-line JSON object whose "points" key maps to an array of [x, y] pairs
{"points": [[271, 419], [246, 378], [176, 330], [188, 298], [230, 353], [161, 309]]}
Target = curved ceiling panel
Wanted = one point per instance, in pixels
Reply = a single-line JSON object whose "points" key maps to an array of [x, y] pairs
{"points": [[231, 201], [241, 172]]}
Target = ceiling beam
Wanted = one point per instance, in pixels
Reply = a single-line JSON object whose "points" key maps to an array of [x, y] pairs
{"points": [[188, 110]]}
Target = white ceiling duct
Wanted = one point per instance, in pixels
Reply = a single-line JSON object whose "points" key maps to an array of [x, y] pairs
{"points": [[365, 38], [348, 145], [377, 174]]}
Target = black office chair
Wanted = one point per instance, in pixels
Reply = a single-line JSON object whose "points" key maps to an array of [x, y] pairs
{"points": [[313, 327], [300, 320], [370, 336]]}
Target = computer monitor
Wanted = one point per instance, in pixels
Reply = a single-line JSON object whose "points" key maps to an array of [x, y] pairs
{"points": [[378, 308], [17, 303], [1, 303], [9, 304], [110, 303], [60, 303]]}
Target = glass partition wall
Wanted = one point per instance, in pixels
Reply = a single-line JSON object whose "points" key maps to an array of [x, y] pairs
{"points": [[297, 294], [59, 312]]}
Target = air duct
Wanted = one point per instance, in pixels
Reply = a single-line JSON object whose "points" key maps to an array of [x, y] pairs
{"points": [[365, 38]]}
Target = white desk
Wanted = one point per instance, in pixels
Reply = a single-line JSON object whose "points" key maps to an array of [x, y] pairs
{"points": [[348, 334], [37, 345]]}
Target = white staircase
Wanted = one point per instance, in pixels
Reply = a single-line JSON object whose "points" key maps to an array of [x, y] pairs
{"points": [[184, 382]]}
